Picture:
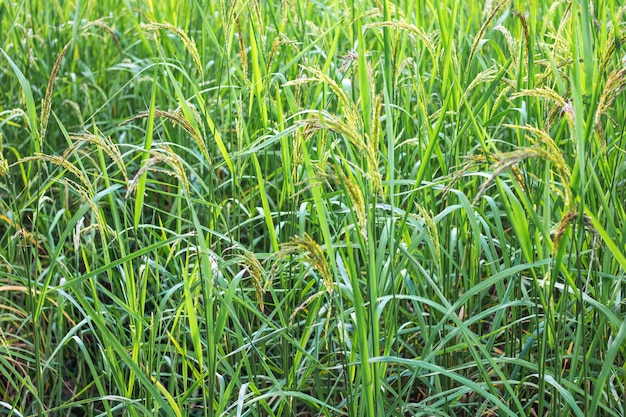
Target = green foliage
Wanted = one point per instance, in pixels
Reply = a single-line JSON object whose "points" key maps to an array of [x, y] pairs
{"points": [[360, 208]]}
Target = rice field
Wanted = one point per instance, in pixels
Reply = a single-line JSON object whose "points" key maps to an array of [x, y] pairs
{"points": [[312, 208]]}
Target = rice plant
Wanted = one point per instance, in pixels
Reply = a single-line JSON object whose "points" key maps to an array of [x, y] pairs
{"points": [[294, 208]]}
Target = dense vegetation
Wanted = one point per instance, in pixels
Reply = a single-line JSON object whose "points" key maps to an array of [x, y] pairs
{"points": [[302, 208]]}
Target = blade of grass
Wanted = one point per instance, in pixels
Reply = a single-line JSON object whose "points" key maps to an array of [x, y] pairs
{"points": [[147, 146]]}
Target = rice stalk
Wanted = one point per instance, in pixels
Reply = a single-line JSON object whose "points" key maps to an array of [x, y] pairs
{"points": [[157, 157], [472, 162], [568, 218], [300, 137], [353, 120], [332, 122], [356, 197], [485, 76], [258, 18], [242, 50], [433, 233], [103, 143], [561, 50], [77, 110], [394, 9], [307, 251], [46, 105], [617, 37], [62, 162], [280, 40], [487, 9], [303, 306], [561, 106], [249, 262], [419, 33], [80, 230], [615, 85], [101, 23], [175, 162], [511, 44], [87, 196], [503, 95], [4, 164], [526, 32], [556, 156], [483, 29], [373, 147], [541, 92], [189, 43], [177, 118], [511, 159]]}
